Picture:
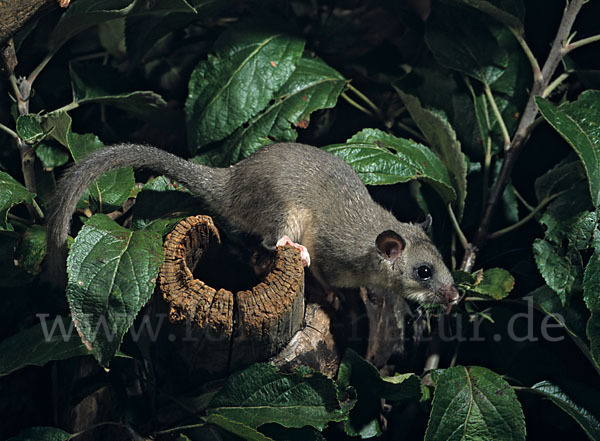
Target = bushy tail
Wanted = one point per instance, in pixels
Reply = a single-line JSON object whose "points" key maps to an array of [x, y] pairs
{"points": [[203, 181]]}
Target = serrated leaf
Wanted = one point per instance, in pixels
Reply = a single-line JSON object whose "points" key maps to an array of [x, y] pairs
{"points": [[591, 284], [112, 272], [142, 31], [579, 124], [239, 429], [313, 86], [11, 194], [571, 317], [509, 12], [32, 249], [593, 334], [559, 178], [230, 88], [585, 419], [442, 140], [371, 387], [109, 191], [95, 83], [474, 403], [260, 395], [51, 155], [568, 217], [29, 129], [159, 205], [460, 39], [87, 13], [48, 341], [42, 434], [560, 269], [380, 158], [496, 283]]}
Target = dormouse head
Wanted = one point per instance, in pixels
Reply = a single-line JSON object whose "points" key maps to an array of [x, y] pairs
{"points": [[414, 265]]}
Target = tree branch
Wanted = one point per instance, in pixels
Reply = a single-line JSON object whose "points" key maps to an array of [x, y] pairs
{"points": [[524, 128]]}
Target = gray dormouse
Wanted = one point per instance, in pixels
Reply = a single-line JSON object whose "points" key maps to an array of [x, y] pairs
{"points": [[285, 191]]}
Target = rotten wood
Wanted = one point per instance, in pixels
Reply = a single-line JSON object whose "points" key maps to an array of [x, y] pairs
{"points": [[218, 330]]}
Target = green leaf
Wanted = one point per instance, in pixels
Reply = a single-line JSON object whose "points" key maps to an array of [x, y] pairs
{"points": [[143, 31], [239, 429], [42, 434], [591, 284], [380, 158], [371, 387], [260, 395], [568, 217], [157, 203], [312, 86], [112, 272], [509, 12], [50, 340], [109, 191], [585, 419], [579, 124], [560, 178], [29, 129], [593, 333], [496, 283], [83, 14], [228, 89], [559, 268], [11, 194], [572, 317], [95, 83], [474, 403], [442, 140], [51, 155], [460, 39], [32, 249]]}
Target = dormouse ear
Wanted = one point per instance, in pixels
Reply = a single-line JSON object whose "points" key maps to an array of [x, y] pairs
{"points": [[426, 224], [390, 245]]}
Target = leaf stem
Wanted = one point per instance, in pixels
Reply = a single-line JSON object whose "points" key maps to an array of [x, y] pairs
{"points": [[72, 105], [9, 131], [522, 199], [35, 72], [363, 97], [346, 97], [498, 115], [413, 132], [461, 236], [554, 84], [535, 66], [572, 46], [526, 219], [524, 128]]}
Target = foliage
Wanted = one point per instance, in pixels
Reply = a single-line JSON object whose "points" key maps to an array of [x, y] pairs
{"points": [[460, 105]]}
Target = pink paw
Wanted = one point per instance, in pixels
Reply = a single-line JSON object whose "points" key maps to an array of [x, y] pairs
{"points": [[303, 251]]}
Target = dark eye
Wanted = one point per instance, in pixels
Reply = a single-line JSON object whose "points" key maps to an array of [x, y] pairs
{"points": [[424, 272]]}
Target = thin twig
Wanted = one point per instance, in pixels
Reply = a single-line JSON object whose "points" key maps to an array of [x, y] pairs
{"points": [[9, 131], [572, 46], [355, 104], [523, 131], [535, 67], [461, 236], [526, 219], [498, 115], [554, 84], [363, 97]]}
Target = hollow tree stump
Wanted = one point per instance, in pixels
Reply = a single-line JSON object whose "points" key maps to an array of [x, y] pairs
{"points": [[217, 330]]}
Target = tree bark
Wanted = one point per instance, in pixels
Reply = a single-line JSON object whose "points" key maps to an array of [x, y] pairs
{"points": [[14, 14]]}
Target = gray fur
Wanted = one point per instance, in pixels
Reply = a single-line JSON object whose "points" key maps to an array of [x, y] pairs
{"points": [[290, 189]]}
